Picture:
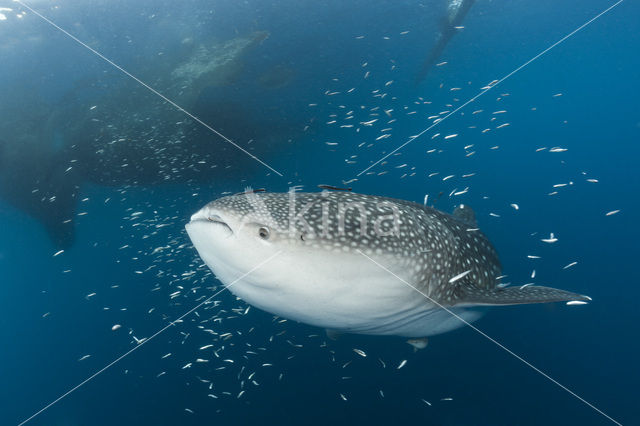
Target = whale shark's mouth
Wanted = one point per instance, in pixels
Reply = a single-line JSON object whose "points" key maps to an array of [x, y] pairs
{"points": [[211, 219], [217, 221]]}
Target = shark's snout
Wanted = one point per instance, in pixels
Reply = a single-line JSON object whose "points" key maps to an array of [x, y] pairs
{"points": [[207, 221]]}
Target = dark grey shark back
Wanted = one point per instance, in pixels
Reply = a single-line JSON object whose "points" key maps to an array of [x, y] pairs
{"points": [[476, 262]]}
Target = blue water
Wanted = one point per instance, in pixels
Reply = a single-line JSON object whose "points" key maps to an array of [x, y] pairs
{"points": [[580, 96]]}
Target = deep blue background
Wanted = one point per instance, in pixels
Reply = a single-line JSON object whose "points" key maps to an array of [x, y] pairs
{"points": [[590, 349]]}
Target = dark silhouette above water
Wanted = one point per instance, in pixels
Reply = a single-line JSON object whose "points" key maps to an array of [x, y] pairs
{"points": [[456, 12], [36, 184], [109, 130]]}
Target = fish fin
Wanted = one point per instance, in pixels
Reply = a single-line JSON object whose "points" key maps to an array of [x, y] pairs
{"points": [[466, 215], [472, 295], [418, 343], [333, 334]]}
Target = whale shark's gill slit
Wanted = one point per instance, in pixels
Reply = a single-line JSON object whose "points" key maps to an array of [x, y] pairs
{"points": [[489, 87], [495, 342], [148, 87]]}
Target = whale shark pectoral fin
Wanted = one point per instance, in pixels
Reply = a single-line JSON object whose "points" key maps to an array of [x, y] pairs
{"points": [[471, 295], [418, 343], [333, 334]]}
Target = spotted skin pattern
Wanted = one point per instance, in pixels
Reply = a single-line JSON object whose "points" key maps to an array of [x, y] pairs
{"points": [[433, 246]]}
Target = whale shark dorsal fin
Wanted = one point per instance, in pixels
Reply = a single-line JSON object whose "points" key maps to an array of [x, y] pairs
{"points": [[472, 295], [466, 214]]}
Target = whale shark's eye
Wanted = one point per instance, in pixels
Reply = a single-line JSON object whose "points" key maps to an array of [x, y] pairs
{"points": [[263, 232]]}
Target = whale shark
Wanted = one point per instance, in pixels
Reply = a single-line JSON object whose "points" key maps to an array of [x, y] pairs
{"points": [[356, 263], [111, 131]]}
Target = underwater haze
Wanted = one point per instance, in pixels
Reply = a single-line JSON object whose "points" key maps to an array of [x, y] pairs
{"points": [[120, 119]]}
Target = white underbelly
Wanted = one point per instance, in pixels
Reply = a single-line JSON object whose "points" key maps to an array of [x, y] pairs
{"points": [[379, 304]]}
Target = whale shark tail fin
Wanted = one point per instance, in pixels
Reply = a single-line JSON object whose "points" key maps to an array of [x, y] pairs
{"points": [[434, 54], [457, 10], [472, 295]]}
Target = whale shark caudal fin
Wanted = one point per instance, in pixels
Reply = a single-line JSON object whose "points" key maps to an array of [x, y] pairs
{"points": [[471, 295]]}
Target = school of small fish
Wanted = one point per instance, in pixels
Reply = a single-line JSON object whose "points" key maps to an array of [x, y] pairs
{"points": [[224, 335]]}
